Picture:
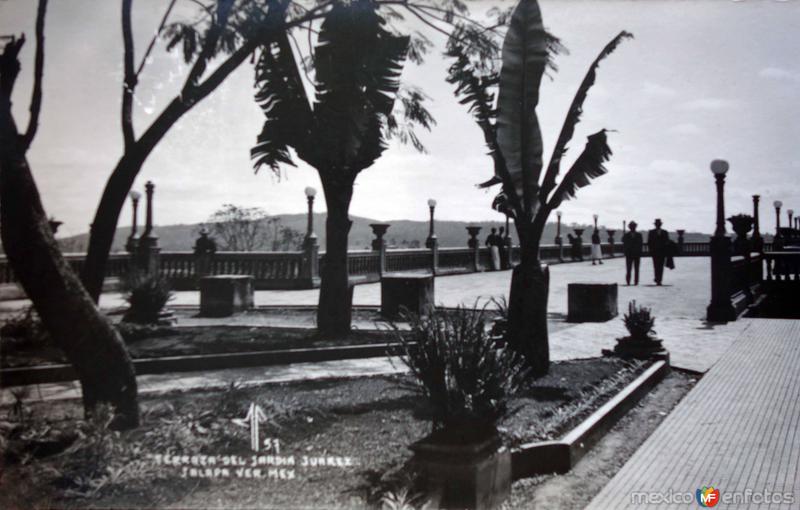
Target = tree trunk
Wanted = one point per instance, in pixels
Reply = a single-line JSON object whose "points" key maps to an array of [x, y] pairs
{"points": [[527, 307], [90, 342], [104, 225], [336, 293]]}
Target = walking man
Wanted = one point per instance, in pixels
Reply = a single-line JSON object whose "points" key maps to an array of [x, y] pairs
{"points": [[632, 248], [658, 244]]}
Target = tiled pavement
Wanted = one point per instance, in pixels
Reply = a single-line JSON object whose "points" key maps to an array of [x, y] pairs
{"points": [[737, 431]]}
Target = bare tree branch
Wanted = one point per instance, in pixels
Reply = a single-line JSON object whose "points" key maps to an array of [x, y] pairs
{"points": [[38, 71], [155, 37], [129, 82]]}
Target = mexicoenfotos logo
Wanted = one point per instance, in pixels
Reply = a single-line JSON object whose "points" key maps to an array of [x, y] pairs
{"points": [[707, 496]]}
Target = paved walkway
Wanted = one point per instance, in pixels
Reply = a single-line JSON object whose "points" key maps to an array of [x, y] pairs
{"points": [[693, 344], [155, 384], [737, 431], [686, 292]]}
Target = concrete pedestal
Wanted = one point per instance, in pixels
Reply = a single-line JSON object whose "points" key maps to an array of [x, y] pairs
{"points": [[591, 302], [224, 295], [474, 476], [413, 292]]}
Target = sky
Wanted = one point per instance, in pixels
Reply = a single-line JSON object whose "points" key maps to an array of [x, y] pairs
{"points": [[701, 80]]}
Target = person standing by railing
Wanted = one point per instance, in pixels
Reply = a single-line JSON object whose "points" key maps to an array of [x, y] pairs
{"points": [[493, 242], [632, 243], [597, 253]]}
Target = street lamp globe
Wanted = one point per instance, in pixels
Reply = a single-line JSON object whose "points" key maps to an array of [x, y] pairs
{"points": [[719, 167], [791, 212], [778, 204], [558, 213], [595, 216], [135, 195], [431, 202], [310, 192]]}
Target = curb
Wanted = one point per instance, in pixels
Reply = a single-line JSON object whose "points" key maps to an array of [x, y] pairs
{"points": [[63, 373], [561, 455]]}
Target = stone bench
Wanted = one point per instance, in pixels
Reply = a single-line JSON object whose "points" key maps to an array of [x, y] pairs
{"points": [[413, 292], [591, 302], [224, 295]]}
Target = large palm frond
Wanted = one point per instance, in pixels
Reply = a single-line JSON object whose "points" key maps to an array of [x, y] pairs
{"points": [[282, 98], [525, 58], [574, 116], [474, 89], [588, 166], [358, 67]]}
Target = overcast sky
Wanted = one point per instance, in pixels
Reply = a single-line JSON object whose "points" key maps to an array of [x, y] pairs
{"points": [[701, 80]]}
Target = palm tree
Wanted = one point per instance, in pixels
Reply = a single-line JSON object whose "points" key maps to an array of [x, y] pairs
{"points": [[357, 65], [511, 131]]}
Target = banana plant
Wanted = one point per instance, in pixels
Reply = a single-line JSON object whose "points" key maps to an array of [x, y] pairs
{"points": [[343, 130], [512, 134]]}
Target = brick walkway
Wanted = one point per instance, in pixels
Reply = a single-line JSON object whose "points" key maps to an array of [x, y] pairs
{"points": [[736, 430]]}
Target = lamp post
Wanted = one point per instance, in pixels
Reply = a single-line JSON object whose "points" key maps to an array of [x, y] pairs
{"points": [[311, 237], [790, 213], [559, 240], [131, 244], [777, 204], [149, 189], [720, 309], [432, 242], [310, 268], [758, 242], [431, 235], [595, 216], [147, 244]]}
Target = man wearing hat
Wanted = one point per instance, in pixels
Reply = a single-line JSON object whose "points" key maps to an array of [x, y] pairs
{"points": [[658, 243], [632, 248]]}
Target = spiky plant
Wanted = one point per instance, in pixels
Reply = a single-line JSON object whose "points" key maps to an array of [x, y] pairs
{"points": [[147, 296], [457, 368], [639, 322]]}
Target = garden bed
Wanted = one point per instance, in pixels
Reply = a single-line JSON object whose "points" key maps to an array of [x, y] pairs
{"points": [[360, 428], [165, 341]]}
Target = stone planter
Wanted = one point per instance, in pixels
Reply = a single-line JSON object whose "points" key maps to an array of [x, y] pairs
{"points": [[471, 475]]}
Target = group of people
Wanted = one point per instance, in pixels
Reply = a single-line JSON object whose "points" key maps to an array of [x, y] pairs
{"points": [[661, 249], [497, 244]]}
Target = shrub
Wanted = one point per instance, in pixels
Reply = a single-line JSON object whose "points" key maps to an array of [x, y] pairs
{"points": [[639, 322], [464, 377], [147, 295], [27, 329]]}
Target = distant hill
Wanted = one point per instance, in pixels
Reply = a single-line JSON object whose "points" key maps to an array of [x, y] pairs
{"points": [[401, 234]]}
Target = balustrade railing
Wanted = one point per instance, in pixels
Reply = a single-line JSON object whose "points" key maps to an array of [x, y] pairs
{"points": [[363, 263], [286, 269], [782, 266], [408, 260], [456, 258], [745, 272]]}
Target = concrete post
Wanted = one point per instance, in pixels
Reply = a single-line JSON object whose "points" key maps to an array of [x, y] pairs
{"points": [[680, 232], [611, 241], [475, 244], [379, 244]]}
